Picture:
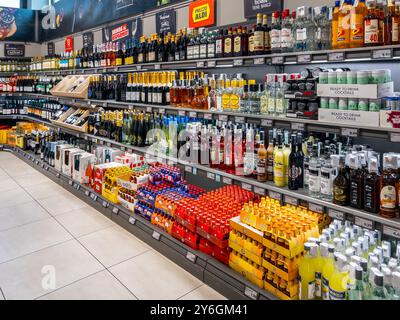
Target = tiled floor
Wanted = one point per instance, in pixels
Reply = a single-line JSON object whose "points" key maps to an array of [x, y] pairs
{"points": [[55, 247]]}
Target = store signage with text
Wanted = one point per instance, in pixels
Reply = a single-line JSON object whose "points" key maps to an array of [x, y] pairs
{"points": [[51, 48], [69, 44], [120, 32], [252, 7], [14, 50], [166, 22], [88, 39], [123, 31], [202, 13]]}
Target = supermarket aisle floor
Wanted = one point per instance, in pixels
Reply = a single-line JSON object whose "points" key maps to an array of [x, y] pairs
{"points": [[54, 246]]}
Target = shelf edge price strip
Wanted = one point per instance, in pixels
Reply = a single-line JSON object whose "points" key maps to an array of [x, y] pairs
{"points": [[337, 215], [391, 232], [316, 208], [364, 223], [292, 201], [247, 187]]}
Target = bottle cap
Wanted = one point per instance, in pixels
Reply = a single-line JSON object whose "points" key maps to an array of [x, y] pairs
{"points": [[324, 249]]}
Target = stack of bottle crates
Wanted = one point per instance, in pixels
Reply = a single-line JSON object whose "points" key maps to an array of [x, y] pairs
{"points": [[268, 239]]}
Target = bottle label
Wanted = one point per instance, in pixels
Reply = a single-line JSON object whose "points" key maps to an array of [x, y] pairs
{"points": [[371, 27], [270, 164], [293, 172], [237, 45], [337, 295], [249, 163], [326, 186], [279, 169], [261, 166], [129, 60], [311, 290], [218, 46], [271, 105], [286, 38], [259, 41], [226, 100], [357, 27], [234, 101], [279, 106], [388, 197], [325, 288], [118, 61], [228, 45], [211, 50], [395, 29], [203, 51], [314, 181], [275, 39], [267, 41], [213, 155], [301, 34], [251, 44], [318, 284]]}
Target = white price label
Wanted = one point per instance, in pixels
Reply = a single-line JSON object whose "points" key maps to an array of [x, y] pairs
{"points": [[101, 142], [194, 171], [161, 111], [157, 66], [391, 232], [43, 165], [104, 104], [292, 201], [226, 180], [304, 58], [193, 114], [123, 149], [364, 223], [250, 293], [259, 61], [87, 193], [149, 109], [240, 120], [182, 113], [200, 64], [93, 197], [275, 195], [188, 169], [77, 186], [208, 116], [105, 204], [132, 220], [130, 107], [70, 182], [223, 118], [259, 191], [191, 257], [337, 215], [138, 68], [267, 123], [115, 211], [238, 62], [156, 236], [350, 132], [382, 54], [278, 60], [247, 187], [336, 56], [211, 64], [211, 176], [395, 137], [316, 208], [298, 126]]}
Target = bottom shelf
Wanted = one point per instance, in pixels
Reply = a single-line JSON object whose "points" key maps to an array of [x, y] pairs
{"points": [[213, 273]]}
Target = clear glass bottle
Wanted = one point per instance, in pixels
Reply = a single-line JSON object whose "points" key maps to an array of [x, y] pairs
{"points": [[378, 291], [244, 99], [265, 98], [272, 83], [304, 29], [280, 101], [323, 27], [286, 32], [314, 181], [356, 290], [327, 181]]}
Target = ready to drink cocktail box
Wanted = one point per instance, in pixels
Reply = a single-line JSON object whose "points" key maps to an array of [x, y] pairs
{"points": [[350, 117], [358, 91], [390, 119]]}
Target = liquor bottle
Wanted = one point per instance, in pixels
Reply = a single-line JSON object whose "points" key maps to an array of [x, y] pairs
{"points": [[219, 44], [335, 24], [356, 183], [211, 45], [267, 35], [259, 36], [358, 12], [249, 161], [293, 169], [388, 196], [323, 34], [286, 32], [275, 33], [270, 156], [251, 38], [237, 43], [327, 180], [314, 182], [300, 161], [228, 43], [279, 164], [372, 35], [184, 46], [203, 44], [262, 161], [341, 186], [196, 45], [343, 38], [372, 187], [391, 33]]}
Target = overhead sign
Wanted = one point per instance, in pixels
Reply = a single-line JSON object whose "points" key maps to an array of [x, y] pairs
{"points": [[252, 7], [69, 44], [14, 50], [51, 48], [202, 13], [88, 39], [123, 31], [166, 22]]}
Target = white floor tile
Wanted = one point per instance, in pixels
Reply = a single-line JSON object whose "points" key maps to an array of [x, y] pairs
{"points": [[58, 205], [83, 221], [8, 184], [113, 245], [46, 190], [23, 278], [21, 214], [14, 197], [100, 286], [203, 293], [18, 170], [32, 237], [151, 276], [31, 179]]}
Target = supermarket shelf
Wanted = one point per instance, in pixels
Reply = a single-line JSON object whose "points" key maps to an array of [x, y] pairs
{"points": [[265, 121], [371, 54], [229, 283], [359, 217]]}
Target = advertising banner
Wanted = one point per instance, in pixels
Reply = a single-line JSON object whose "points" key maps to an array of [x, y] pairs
{"points": [[51, 48], [252, 7], [69, 44], [123, 31], [202, 13], [166, 22], [14, 50], [17, 25], [88, 39]]}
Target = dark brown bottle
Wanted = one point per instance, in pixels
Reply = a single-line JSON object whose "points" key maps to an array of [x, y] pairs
{"points": [[219, 45], [228, 43], [372, 187], [259, 35], [251, 41], [388, 195], [356, 183], [341, 186], [237, 42]]}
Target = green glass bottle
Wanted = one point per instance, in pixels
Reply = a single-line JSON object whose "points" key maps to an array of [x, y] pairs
{"points": [[356, 287], [378, 291]]}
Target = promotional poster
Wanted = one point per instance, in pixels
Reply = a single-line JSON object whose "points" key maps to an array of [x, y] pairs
{"points": [[17, 25]]}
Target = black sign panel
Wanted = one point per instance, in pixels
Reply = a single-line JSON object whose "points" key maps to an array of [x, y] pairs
{"points": [[252, 7], [51, 48], [166, 22], [14, 50], [88, 39], [123, 31]]}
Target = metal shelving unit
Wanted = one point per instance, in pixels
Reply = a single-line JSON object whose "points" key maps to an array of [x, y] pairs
{"points": [[366, 54], [390, 227], [229, 283]]}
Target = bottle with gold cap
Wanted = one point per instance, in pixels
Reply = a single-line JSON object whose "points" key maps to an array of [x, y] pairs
{"points": [[226, 96]]}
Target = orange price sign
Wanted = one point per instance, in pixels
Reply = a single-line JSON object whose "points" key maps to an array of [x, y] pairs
{"points": [[202, 13]]}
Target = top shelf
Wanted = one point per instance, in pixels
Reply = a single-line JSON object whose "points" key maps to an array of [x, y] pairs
{"points": [[367, 54]]}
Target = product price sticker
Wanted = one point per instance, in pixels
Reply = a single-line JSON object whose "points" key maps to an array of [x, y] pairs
{"points": [[336, 56], [193, 114], [391, 232], [364, 223], [350, 132], [211, 176], [182, 113], [149, 109], [298, 126], [382, 54], [77, 186], [238, 62], [275, 195], [247, 187], [194, 171], [115, 210], [240, 120], [226, 180], [267, 123], [208, 116], [292, 201], [157, 66], [87, 193], [93, 197], [188, 169], [395, 137], [191, 257], [156, 236], [105, 204], [316, 208], [217, 178], [70, 182], [260, 191], [278, 60], [223, 118], [250, 293], [212, 64], [200, 64], [304, 58], [337, 214]]}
